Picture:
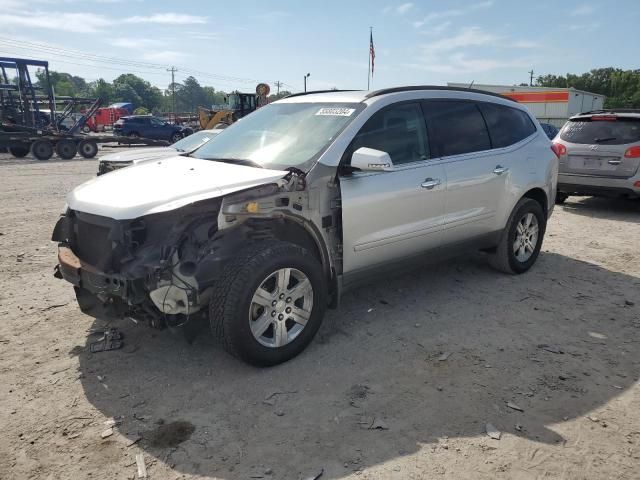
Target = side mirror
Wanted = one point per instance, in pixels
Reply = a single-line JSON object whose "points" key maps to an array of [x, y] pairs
{"points": [[369, 159]]}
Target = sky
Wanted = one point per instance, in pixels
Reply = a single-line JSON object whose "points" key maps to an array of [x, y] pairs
{"points": [[233, 45]]}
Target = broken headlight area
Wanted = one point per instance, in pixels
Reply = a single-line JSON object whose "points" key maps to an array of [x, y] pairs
{"points": [[158, 268], [106, 166]]}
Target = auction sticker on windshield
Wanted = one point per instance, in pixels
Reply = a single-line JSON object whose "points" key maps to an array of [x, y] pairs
{"points": [[336, 111]]}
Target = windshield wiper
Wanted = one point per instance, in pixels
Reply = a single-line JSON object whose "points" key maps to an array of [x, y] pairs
{"points": [[239, 161], [605, 139]]}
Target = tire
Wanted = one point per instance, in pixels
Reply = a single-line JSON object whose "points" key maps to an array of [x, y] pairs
{"points": [[66, 149], [19, 152], [561, 198], [42, 149], [232, 305], [88, 148], [133, 135], [505, 258], [175, 137], [86, 129]]}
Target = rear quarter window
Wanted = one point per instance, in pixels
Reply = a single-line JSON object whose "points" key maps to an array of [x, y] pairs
{"points": [[456, 127], [506, 125], [618, 131]]}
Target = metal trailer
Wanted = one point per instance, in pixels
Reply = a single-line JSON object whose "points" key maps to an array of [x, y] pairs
{"points": [[26, 127], [547, 104]]}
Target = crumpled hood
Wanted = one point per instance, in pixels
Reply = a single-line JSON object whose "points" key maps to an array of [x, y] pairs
{"points": [[163, 185], [137, 155]]}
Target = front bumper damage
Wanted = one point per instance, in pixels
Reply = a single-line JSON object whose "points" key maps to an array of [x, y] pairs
{"points": [[157, 269]]}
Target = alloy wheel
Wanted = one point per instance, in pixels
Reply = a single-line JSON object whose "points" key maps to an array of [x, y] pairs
{"points": [[280, 307]]}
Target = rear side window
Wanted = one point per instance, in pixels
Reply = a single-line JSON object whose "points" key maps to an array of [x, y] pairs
{"points": [[506, 125], [398, 130], [609, 130], [456, 127]]}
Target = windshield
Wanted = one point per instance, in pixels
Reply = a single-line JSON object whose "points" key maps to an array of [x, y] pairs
{"points": [[282, 135], [193, 141], [610, 130]]}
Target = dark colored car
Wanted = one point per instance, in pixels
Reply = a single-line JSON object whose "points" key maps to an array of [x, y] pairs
{"points": [[550, 130], [149, 127]]}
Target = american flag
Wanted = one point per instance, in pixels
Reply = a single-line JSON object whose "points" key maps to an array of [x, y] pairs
{"points": [[372, 52]]}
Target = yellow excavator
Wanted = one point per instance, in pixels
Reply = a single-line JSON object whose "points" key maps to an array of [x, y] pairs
{"points": [[237, 106]]}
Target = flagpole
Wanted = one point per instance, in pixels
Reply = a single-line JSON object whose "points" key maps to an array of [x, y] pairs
{"points": [[369, 66]]}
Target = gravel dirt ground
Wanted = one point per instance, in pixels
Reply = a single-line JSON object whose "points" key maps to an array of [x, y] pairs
{"points": [[400, 382]]}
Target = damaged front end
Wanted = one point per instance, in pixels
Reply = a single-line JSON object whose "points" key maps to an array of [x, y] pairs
{"points": [[158, 268]]}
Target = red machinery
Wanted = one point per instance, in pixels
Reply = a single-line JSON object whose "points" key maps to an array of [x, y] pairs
{"points": [[104, 118]]}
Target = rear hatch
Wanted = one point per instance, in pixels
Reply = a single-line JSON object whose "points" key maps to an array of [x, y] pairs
{"points": [[596, 146]]}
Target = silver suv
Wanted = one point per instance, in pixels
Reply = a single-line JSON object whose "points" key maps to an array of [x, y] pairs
{"points": [[600, 154], [272, 220]]}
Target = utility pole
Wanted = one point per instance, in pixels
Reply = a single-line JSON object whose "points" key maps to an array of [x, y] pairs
{"points": [[278, 85], [173, 71], [530, 72]]}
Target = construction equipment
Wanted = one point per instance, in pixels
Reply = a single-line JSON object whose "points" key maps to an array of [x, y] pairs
{"points": [[31, 122], [237, 106]]}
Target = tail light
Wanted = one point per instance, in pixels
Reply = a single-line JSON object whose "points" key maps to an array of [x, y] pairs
{"points": [[604, 118], [559, 149], [632, 152]]}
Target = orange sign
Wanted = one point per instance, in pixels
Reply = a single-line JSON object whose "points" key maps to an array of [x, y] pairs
{"points": [[538, 97]]}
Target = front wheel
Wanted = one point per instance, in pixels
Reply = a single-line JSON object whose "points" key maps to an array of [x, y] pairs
{"points": [[268, 303], [521, 239], [175, 137]]}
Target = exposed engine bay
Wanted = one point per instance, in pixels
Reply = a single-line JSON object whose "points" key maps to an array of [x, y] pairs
{"points": [[160, 268]]}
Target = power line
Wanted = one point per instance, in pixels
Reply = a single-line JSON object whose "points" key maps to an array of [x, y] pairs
{"points": [[78, 55]]}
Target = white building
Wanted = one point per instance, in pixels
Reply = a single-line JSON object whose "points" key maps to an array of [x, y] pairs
{"points": [[549, 105]]}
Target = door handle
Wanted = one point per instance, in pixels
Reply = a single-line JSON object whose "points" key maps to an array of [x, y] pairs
{"points": [[499, 170], [430, 183], [614, 162]]}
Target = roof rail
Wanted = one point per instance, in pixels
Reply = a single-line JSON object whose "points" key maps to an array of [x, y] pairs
{"points": [[384, 91], [318, 91], [612, 110]]}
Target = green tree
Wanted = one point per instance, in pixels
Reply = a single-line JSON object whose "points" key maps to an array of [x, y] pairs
{"points": [[273, 97], [621, 87], [131, 88]]}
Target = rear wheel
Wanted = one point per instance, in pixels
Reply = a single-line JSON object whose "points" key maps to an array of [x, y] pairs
{"points": [[86, 129], [521, 239], [88, 148], [268, 303], [66, 149], [134, 135], [19, 152], [42, 149]]}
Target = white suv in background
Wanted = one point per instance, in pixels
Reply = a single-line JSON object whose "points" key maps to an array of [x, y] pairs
{"points": [[268, 223]]}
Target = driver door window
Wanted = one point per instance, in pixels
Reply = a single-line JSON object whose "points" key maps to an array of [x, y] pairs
{"points": [[398, 130]]}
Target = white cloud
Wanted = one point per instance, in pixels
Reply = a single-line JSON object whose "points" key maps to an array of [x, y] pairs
{"points": [[588, 27], [165, 56], [167, 19], [134, 43], [583, 10], [468, 37], [397, 9], [273, 15], [471, 49], [461, 63], [404, 8], [456, 12], [67, 22], [437, 29]]}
